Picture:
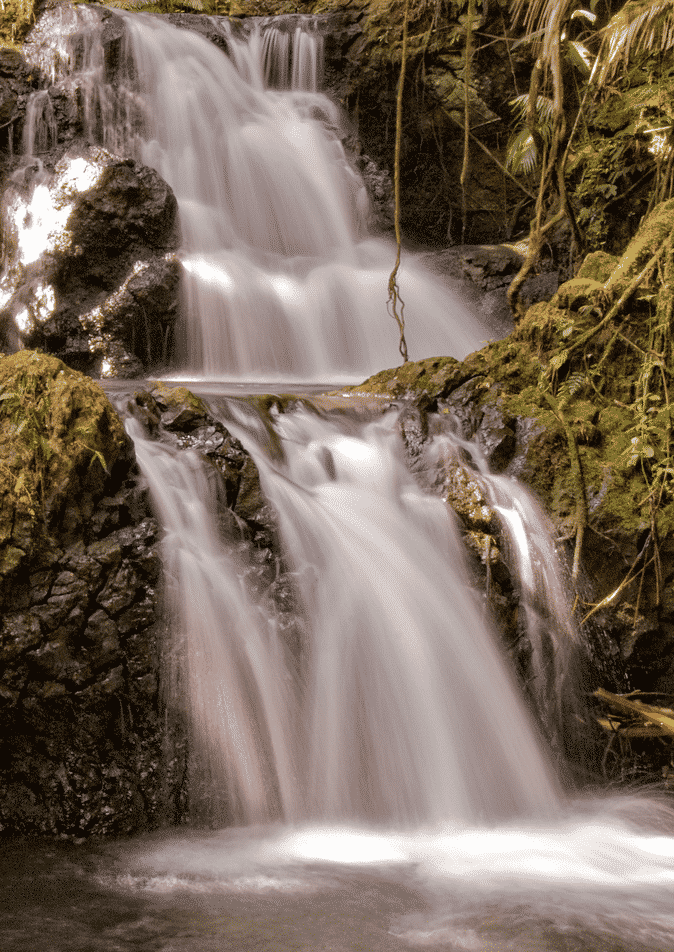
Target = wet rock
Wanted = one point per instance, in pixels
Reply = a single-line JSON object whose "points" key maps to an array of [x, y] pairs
{"points": [[490, 266], [20, 633], [91, 275], [79, 692], [466, 497], [120, 591], [101, 640], [8, 102], [54, 662], [463, 406], [495, 436], [413, 425]]}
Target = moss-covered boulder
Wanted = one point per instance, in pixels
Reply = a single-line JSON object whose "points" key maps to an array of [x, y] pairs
{"points": [[60, 440]]}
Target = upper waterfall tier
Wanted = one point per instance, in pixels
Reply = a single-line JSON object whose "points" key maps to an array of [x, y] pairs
{"points": [[281, 280]]}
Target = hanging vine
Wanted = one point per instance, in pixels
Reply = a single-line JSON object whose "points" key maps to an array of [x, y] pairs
{"points": [[466, 115], [394, 298]]}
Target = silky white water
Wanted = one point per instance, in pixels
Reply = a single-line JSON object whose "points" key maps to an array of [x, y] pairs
{"points": [[403, 697], [407, 696], [421, 794], [223, 664], [281, 279], [392, 790]]}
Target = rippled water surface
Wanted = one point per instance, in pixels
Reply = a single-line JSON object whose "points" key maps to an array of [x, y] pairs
{"points": [[594, 885]]}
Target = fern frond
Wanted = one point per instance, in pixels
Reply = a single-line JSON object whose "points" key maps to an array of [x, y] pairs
{"points": [[575, 382], [544, 107], [539, 14], [641, 26], [584, 15], [522, 156], [558, 360]]}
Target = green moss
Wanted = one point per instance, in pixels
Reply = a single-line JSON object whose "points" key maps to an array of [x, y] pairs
{"points": [[16, 18], [175, 397], [598, 266], [576, 293], [653, 231], [436, 375], [59, 437]]}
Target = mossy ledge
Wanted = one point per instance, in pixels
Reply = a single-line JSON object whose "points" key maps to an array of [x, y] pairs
{"points": [[60, 439], [589, 369]]}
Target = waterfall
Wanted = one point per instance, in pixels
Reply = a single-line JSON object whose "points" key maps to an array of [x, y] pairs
{"points": [[413, 715], [419, 805], [281, 280], [224, 664], [403, 711], [544, 605]]}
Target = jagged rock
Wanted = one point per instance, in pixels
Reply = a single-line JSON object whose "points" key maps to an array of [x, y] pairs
{"points": [[8, 102], [90, 273], [496, 437]]}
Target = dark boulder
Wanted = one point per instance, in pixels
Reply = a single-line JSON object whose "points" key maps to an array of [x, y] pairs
{"points": [[90, 273]]}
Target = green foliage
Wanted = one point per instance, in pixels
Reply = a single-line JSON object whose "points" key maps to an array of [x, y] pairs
{"points": [[639, 28], [522, 156], [16, 18], [602, 170]]}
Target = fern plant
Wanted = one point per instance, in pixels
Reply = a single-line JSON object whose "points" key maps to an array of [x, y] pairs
{"points": [[640, 27], [523, 156]]}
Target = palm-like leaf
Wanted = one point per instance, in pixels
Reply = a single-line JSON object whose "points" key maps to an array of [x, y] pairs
{"points": [[537, 15], [579, 55], [522, 156], [641, 26], [544, 108]]}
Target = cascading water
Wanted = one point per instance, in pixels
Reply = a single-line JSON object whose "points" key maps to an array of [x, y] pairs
{"points": [[544, 604], [400, 721], [390, 720], [280, 278], [414, 764], [232, 686], [402, 714]]}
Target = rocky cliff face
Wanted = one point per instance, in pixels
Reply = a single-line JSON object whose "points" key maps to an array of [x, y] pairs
{"points": [[81, 738], [87, 746]]}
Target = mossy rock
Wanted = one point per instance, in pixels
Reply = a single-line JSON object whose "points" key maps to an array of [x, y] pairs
{"points": [[576, 293], [60, 438], [654, 230], [174, 397], [435, 375], [598, 266]]}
